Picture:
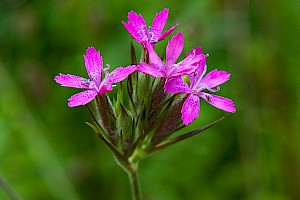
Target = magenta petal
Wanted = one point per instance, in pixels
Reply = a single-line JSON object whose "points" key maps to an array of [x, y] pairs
{"points": [[106, 87], [176, 85], [82, 98], [174, 49], [132, 30], [151, 70], [168, 32], [190, 109], [188, 65], [136, 26], [219, 102], [181, 70], [154, 58], [195, 51], [193, 57], [93, 64], [199, 73], [214, 78], [121, 73], [138, 35], [73, 81], [158, 24]]}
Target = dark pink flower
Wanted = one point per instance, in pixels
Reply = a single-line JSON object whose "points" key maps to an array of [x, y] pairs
{"points": [[95, 85], [198, 82], [137, 27], [159, 69]]}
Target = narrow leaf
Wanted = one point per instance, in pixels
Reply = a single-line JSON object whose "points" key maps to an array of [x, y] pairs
{"points": [[179, 138]]}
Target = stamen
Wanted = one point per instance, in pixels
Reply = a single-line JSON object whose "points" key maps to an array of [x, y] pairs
{"points": [[216, 89], [93, 75], [194, 91], [151, 35], [85, 82], [92, 85], [105, 70], [142, 32]]}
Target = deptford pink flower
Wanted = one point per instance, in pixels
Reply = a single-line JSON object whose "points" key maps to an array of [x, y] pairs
{"points": [[137, 27], [95, 85], [159, 69], [198, 82]]}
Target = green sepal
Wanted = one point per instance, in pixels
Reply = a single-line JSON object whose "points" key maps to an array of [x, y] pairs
{"points": [[169, 118], [125, 125], [119, 100], [143, 87], [131, 89], [156, 99], [106, 116], [133, 55]]}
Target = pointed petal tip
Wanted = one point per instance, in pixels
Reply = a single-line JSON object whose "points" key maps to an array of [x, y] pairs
{"points": [[132, 15], [179, 38], [233, 110], [167, 32], [91, 49], [186, 122], [179, 34], [57, 77], [71, 105], [165, 11]]}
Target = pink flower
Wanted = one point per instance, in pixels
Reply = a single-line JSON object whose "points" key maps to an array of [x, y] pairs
{"points": [[198, 82], [95, 85], [137, 27], [159, 69]]}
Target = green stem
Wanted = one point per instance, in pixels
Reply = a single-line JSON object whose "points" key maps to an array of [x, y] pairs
{"points": [[134, 182]]}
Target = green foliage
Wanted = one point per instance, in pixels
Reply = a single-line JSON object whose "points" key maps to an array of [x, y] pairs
{"points": [[48, 152]]}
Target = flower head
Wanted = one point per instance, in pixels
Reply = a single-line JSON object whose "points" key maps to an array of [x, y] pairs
{"points": [[198, 82], [137, 27], [159, 69], [95, 85]]}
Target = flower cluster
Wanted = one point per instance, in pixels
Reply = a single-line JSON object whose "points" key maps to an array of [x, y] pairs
{"points": [[157, 101], [193, 65]]}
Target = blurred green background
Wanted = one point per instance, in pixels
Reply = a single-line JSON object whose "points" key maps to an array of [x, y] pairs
{"points": [[47, 151]]}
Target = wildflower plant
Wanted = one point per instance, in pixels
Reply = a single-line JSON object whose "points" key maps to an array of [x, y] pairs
{"points": [[154, 102]]}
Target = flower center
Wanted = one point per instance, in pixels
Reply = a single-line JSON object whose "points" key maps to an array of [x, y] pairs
{"points": [[90, 84], [151, 36], [143, 33]]}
